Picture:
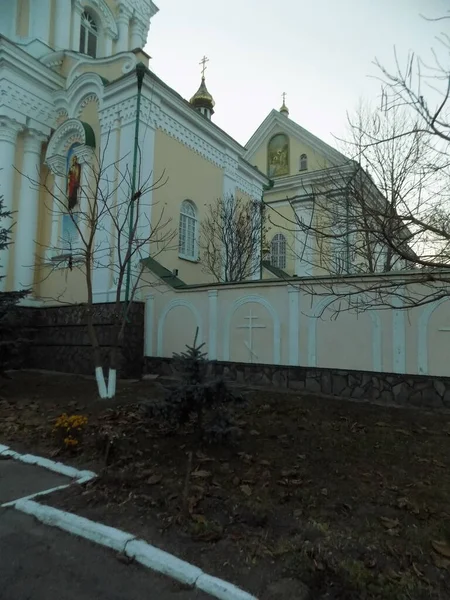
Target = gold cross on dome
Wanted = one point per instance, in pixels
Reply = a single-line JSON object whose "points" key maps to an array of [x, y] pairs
{"points": [[284, 97], [203, 62]]}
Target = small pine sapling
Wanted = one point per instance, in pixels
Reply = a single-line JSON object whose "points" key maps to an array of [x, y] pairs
{"points": [[206, 402]]}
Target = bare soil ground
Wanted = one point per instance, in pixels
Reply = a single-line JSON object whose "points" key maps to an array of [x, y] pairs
{"points": [[350, 498]]}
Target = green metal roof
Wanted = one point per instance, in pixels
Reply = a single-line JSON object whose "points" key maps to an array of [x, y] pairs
{"points": [[164, 274], [275, 270]]}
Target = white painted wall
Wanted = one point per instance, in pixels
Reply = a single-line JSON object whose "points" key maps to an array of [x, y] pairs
{"points": [[278, 323]]}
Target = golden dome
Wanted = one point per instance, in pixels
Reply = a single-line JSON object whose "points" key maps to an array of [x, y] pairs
{"points": [[284, 109], [202, 98]]}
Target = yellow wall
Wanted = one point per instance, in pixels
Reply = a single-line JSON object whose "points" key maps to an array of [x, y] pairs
{"points": [[189, 176], [60, 284], [110, 71], [89, 115]]}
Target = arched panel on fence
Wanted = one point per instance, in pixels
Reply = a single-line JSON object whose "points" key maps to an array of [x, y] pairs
{"points": [[177, 303], [423, 324], [250, 326], [376, 334]]}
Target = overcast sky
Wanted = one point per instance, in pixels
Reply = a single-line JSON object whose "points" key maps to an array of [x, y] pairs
{"points": [[320, 52]]}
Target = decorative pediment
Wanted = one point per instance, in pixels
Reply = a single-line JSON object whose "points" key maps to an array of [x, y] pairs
{"points": [[71, 132], [276, 123]]}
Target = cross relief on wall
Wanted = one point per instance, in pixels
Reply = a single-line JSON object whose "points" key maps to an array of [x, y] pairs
{"points": [[251, 325]]}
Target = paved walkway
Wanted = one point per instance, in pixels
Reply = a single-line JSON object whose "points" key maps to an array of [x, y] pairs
{"points": [[42, 563]]}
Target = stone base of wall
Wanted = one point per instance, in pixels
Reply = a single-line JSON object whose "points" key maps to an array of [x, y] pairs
{"points": [[381, 388], [60, 340]]}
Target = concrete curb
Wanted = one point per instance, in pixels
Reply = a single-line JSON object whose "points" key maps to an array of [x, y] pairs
{"points": [[127, 543], [163, 562], [110, 537], [46, 463], [221, 589], [95, 532]]}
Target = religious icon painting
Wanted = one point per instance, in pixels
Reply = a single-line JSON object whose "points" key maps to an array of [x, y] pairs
{"points": [[278, 155], [73, 189]]}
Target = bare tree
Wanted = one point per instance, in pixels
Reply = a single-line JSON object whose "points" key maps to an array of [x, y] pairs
{"points": [[356, 225], [110, 231], [395, 214], [231, 237]]}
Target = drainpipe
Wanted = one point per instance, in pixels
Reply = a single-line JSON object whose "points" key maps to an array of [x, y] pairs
{"points": [[140, 72], [266, 188]]}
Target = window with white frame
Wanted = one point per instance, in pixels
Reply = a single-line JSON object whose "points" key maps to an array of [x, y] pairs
{"points": [[278, 251], [303, 163], [88, 35], [187, 241]]}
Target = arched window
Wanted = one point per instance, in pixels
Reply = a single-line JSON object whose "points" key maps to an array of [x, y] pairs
{"points": [[278, 251], [88, 35], [303, 162], [187, 241]]}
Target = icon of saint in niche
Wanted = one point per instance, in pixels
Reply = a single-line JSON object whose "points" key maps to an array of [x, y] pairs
{"points": [[73, 182]]}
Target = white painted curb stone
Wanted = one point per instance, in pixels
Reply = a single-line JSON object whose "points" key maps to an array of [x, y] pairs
{"points": [[221, 589], [113, 538], [164, 563], [51, 465], [144, 553], [95, 532]]}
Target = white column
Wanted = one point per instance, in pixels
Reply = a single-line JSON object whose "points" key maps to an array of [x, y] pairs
{"points": [[145, 176], [108, 45], [294, 315], [27, 217], [76, 25], [123, 25], [104, 237], [62, 19], [149, 319], [40, 15], [304, 240], [58, 189], [136, 35], [57, 165], [212, 325], [8, 138]]}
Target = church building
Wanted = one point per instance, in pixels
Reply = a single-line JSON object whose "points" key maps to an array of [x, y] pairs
{"points": [[83, 116]]}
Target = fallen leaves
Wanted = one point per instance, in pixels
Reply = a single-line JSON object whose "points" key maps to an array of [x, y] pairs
{"points": [[201, 474], [154, 479], [389, 523], [247, 490]]}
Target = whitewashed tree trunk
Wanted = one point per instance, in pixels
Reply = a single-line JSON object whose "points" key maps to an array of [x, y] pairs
{"points": [[106, 391]]}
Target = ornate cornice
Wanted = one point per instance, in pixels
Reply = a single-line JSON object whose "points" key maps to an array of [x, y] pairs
{"points": [[154, 116], [28, 104], [145, 9]]}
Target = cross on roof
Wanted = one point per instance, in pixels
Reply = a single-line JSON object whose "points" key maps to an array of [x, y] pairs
{"points": [[284, 97], [203, 62]]}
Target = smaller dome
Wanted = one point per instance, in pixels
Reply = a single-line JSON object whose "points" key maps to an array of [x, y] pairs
{"points": [[284, 110], [202, 98]]}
